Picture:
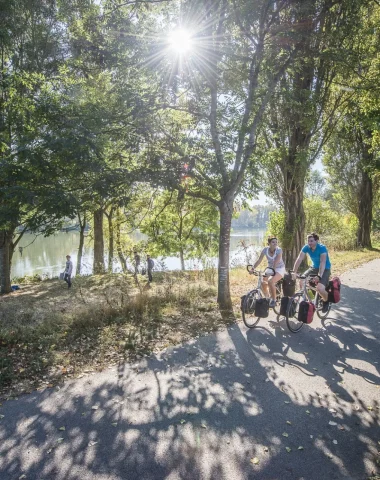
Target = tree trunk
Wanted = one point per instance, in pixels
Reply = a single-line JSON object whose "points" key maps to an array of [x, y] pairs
{"points": [[98, 242], [365, 211], [6, 251], [120, 250], [81, 244], [182, 259], [111, 239], [294, 236], [224, 295]]}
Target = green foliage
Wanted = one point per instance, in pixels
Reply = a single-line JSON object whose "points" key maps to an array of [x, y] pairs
{"points": [[187, 227], [337, 231]]}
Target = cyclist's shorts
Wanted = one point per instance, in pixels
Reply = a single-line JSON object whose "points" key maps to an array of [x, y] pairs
{"points": [[325, 277]]}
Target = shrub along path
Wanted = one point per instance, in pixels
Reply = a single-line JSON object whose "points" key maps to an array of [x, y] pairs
{"points": [[239, 404]]}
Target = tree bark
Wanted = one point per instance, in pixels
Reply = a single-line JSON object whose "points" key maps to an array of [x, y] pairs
{"points": [[98, 243], [294, 235], [365, 211], [6, 252], [111, 239], [120, 250], [81, 243], [181, 256], [224, 295]]}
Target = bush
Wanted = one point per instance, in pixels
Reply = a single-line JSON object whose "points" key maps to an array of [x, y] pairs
{"points": [[337, 231]]}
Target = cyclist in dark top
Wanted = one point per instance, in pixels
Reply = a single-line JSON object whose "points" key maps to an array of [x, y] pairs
{"points": [[321, 265]]}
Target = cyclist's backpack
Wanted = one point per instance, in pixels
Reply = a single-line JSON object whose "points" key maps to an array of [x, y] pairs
{"points": [[306, 311], [288, 285], [262, 307], [334, 290]]}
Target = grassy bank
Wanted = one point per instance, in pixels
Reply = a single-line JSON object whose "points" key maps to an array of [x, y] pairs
{"points": [[49, 333]]}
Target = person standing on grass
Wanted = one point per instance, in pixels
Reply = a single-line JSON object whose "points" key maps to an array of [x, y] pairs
{"points": [[137, 261], [321, 265], [68, 271], [275, 270], [150, 266]]}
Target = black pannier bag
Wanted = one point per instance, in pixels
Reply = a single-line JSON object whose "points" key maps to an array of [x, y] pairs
{"points": [[288, 285], [284, 305], [249, 305], [262, 307], [306, 312]]}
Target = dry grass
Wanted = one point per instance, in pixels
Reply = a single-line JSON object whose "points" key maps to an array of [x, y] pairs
{"points": [[48, 332]]}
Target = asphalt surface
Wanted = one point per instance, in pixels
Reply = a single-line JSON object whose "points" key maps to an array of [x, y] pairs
{"points": [[225, 406]]}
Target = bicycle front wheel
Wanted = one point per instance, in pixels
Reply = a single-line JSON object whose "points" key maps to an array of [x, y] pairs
{"points": [[319, 306], [248, 311], [292, 321]]}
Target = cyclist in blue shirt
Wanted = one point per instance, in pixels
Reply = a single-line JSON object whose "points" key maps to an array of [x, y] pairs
{"points": [[321, 265]]}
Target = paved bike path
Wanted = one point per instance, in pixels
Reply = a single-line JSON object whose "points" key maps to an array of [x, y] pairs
{"points": [[240, 404]]}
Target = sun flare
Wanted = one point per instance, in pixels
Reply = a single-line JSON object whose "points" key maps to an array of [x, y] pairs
{"points": [[180, 41]]}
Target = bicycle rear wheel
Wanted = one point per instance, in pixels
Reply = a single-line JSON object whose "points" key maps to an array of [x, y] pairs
{"points": [[319, 306], [248, 310], [276, 309], [292, 321]]}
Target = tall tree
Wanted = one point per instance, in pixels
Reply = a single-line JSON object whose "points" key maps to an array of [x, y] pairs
{"points": [[301, 111], [222, 88]]}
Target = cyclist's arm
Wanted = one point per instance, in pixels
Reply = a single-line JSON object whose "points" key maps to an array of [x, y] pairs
{"points": [[277, 260], [298, 262], [322, 264], [259, 260]]}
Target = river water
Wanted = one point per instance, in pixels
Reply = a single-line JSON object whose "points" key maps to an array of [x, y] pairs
{"points": [[46, 256]]}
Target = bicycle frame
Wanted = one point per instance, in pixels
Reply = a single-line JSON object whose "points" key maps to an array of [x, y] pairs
{"points": [[306, 287]]}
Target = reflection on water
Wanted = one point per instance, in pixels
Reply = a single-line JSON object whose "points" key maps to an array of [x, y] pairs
{"points": [[46, 255]]}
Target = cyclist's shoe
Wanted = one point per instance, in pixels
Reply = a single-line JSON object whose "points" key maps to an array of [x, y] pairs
{"points": [[325, 307], [272, 303]]}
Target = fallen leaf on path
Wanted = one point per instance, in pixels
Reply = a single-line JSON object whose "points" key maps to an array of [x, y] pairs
{"points": [[182, 421], [286, 402], [203, 425], [285, 434], [59, 440], [95, 407], [289, 423], [91, 444], [1, 416], [316, 369], [300, 447], [307, 411], [333, 424], [62, 429], [255, 461], [114, 424], [288, 449], [335, 442], [22, 476]]}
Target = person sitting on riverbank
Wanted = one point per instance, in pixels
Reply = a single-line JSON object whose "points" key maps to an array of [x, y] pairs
{"points": [[275, 270], [68, 271]]}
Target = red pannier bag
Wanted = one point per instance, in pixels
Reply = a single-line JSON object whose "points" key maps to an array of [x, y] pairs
{"points": [[334, 290], [306, 311]]}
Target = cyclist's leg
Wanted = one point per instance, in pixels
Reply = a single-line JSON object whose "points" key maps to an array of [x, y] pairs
{"points": [[272, 284], [322, 284], [309, 271], [264, 286]]}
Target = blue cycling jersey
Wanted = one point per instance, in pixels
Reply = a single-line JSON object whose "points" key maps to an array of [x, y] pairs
{"points": [[316, 255]]}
